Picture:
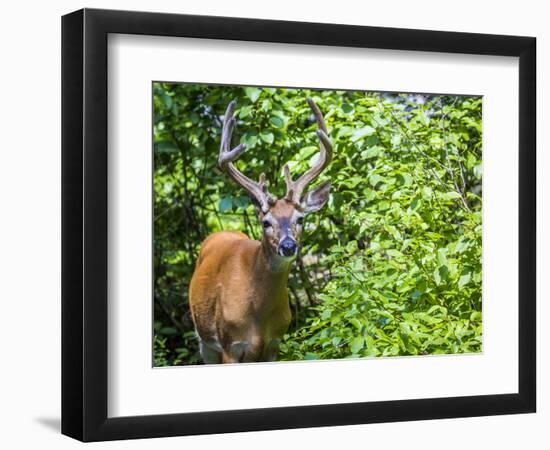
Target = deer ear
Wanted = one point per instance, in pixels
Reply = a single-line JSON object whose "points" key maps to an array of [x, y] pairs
{"points": [[316, 198]]}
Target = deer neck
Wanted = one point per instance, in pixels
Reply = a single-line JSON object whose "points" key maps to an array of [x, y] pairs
{"points": [[273, 265], [272, 275]]}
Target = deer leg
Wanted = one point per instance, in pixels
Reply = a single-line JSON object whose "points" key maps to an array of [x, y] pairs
{"points": [[254, 349], [236, 352], [272, 350], [211, 352]]}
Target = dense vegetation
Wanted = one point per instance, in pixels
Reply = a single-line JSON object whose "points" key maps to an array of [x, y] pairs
{"points": [[391, 266]]}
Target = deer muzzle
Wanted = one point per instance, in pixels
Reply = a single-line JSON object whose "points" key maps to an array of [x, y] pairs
{"points": [[288, 247]]}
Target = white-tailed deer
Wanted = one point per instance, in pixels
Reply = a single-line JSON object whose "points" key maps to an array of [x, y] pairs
{"points": [[238, 293]]}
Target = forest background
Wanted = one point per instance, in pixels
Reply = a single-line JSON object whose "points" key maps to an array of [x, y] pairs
{"points": [[390, 266]]}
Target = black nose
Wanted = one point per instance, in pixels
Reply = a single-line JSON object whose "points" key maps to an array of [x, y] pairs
{"points": [[287, 247]]}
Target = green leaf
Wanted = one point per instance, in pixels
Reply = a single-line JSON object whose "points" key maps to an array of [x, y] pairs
{"points": [[442, 256], [351, 246], [245, 112], [475, 316], [241, 202], [437, 276], [168, 331], [226, 204], [252, 93], [394, 253], [356, 323], [357, 344], [307, 152], [250, 138], [166, 147], [450, 195], [371, 152], [277, 122], [347, 108], [267, 136], [404, 179], [462, 246], [167, 101], [362, 133], [464, 279], [443, 273], [374, 179]]}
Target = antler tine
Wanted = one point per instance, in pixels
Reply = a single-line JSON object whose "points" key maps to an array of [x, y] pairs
{"points": [[258, 191], [318, 115], [294, 189], [289, 183], [263, 183]]}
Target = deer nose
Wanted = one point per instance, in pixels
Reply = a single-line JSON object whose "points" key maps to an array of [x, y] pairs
{"points": [[287, 247]]}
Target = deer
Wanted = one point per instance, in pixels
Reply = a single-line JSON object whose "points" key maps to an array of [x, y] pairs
{"points": [[238, 294]]}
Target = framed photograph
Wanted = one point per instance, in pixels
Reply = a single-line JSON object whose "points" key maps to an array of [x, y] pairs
{"points": [[274, 225]]}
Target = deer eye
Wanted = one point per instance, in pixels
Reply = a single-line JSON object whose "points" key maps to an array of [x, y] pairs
{"points": [[266, 223], [300, 220]]}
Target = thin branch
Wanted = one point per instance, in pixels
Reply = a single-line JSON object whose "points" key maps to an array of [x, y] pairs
{"points": [[162, 213], [458, 157], [248, 224], [449, 163], [411, 140], [215, 211], [176, 323], [418, 149], [423, 153], [305, 281], [296, 304]]}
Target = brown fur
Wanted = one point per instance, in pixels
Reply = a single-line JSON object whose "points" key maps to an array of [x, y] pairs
{"points": [[234, 297]]}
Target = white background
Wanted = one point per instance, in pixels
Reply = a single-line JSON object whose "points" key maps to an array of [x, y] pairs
{"points": [[137, 389], [30, 237]]}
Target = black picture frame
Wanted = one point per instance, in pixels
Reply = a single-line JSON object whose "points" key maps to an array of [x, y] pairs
{"points": [[84, 224]]}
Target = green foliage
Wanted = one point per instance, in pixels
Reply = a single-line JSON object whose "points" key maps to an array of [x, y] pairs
{"points": [[391, 266]]}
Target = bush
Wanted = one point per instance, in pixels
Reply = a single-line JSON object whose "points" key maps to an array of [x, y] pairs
{"points": [[391, 266]]}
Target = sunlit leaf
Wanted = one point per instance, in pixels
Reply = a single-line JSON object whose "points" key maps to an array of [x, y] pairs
{"points": [[252, 93]]}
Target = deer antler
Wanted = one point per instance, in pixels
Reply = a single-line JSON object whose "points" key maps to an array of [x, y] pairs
{"points": [[257, 190], [294, 189]]}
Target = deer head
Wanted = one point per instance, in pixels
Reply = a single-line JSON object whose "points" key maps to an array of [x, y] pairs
{"points": [[281, 219]]}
